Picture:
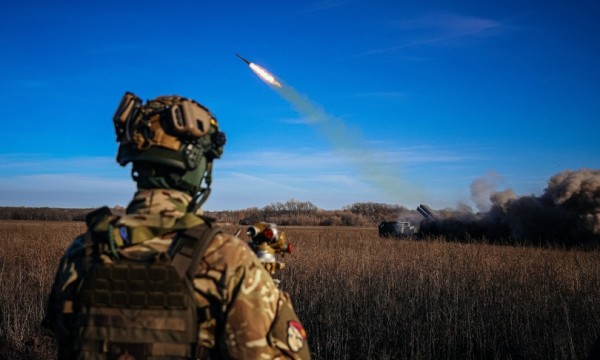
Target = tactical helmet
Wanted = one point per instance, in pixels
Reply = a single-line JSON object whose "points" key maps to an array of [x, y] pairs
{"points": [[171, 142]]}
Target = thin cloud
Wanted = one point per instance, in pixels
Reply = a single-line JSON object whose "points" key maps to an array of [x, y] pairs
{"points": [[384, 50], [276, 161], [43, 164], [447, 26], [299, 181], [382, 95], [439, 29], [333, 175], [310, 159], [325, 177], [64, 190], [232, 180], [324, 5], [326, 190], [64, 182], [443, 28]]}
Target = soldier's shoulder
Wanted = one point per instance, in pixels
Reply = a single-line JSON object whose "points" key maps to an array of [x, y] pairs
{"points": [[226, 242], [77, 247], [92, 220], [98, 215], [228, 248]]}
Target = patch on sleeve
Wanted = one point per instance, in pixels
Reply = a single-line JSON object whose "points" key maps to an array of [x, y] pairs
{"points": [[124, 235], [296, 336]]}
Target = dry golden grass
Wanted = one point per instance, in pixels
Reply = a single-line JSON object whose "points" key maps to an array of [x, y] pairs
{"points": [[29, 255], [363, 297], [358, 294]]}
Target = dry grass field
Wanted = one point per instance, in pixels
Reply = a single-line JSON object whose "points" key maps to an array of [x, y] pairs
{"points": [[361, 297]]}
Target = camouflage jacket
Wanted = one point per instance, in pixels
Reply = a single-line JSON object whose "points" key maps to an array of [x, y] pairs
{"points": [[246, 315]]}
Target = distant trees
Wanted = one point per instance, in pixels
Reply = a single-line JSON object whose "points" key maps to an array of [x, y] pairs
{"points": [[291, 207], [48, 214], [42, 213], [296, 212], [375, 212], [290, 212]]}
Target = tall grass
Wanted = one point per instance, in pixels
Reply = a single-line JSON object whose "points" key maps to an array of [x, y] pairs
{"points": [[363, 297], [29, 255]]}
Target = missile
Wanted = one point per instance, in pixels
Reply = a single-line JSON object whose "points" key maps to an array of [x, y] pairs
{"points": [[246, 61]]}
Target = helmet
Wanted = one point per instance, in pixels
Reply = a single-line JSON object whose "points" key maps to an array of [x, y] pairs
{"points": [[171, 142]]}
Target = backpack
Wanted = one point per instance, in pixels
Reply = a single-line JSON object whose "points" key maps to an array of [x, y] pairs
{"points": [[140, 308]]}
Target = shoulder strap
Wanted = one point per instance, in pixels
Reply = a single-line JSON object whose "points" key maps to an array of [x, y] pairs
{"points": [[190, 247], [99, 232], [92, 218]]}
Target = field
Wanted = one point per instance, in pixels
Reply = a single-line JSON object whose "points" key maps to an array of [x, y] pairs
{"points": [[364, 297]]}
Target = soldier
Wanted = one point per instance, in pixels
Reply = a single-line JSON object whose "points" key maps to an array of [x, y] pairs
{"points": [[162, 281]]}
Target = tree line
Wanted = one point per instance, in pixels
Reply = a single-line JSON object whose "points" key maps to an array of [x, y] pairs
{"points": [[366, 214], [304, 213], [48, 213], [291, 212]]}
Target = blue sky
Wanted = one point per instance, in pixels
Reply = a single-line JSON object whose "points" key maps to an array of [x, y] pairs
{"points": [[418, 99]]}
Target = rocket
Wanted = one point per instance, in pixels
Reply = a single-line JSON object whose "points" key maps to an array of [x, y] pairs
{"points": [[261, 72], [241, 57]]}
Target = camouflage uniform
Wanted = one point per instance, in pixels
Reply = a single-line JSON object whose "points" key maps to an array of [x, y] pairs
{"points": [[245, 315]]}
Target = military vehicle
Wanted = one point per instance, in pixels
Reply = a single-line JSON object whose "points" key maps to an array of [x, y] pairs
{"points": [[397, 229], [400, 229]]}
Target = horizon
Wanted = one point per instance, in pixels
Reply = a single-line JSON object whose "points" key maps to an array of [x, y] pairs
{"points": [[395, 103]]}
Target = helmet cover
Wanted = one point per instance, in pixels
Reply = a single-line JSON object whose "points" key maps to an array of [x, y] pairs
{"points": [[171, 141]]}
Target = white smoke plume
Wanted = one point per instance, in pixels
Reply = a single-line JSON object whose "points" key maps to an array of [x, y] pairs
{"points": [[482, 189]]}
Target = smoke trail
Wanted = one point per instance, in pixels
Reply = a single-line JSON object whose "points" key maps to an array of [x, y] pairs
{"points": [[351, 144], [568, 213]]}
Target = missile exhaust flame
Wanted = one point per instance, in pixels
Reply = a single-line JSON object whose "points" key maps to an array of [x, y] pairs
{"points": [[263, 74]]}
